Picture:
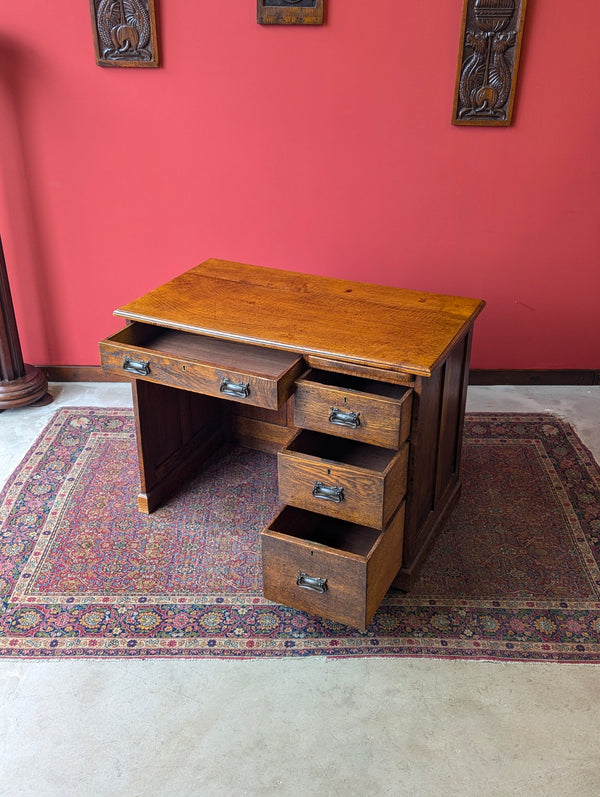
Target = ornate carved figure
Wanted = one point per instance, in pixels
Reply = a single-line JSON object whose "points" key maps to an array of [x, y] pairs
{"points": [[124, 29], [125, 32], [489, 61]]}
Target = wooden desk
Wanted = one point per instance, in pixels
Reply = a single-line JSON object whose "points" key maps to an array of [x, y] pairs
{"points": [[359, 388]]}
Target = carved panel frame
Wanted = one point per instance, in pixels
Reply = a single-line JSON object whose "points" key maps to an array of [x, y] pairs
{"points": [[124, 33], [289, 12], [488, 62]]}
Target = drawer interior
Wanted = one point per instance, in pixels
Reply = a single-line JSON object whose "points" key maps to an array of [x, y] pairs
{"points": [[342, 449], [226, 354], [356, 383], [311, 527]]}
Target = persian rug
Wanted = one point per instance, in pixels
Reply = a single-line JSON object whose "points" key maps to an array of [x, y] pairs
{"points": [[514, 575]]}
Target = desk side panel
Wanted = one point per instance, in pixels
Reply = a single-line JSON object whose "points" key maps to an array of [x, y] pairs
{"points": [[176, 431], [436, 445]]}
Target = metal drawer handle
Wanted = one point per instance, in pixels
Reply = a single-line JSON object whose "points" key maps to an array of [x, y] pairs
{"points": [[341, 418], [237, 389], [335, 494], [311, 582], [137, 367]]}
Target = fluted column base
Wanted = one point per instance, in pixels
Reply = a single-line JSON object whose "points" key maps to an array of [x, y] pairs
{"points": [[32, 388]]}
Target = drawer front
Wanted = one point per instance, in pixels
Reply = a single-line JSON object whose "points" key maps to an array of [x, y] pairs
{"points": [[208, 377], [334, 583], [348, 492], [371, 418]]}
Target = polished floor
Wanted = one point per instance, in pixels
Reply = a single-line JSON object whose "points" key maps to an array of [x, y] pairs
{"points": [[396, 727]]}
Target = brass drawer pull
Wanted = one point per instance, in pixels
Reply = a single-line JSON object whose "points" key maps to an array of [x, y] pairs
{"points": [[335, 494], [137, 367], [311, 582], [341, 418], [237, 389]]}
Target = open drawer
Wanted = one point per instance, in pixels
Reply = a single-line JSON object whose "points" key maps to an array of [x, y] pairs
{"points": [[349, 406], [328, 567], [342, 478], [240, 372]]}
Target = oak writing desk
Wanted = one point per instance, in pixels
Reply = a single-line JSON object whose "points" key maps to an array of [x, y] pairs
{"points": [[359, 388]]}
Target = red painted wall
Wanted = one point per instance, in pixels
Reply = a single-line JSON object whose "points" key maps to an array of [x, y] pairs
{"points": [[319, 149]]}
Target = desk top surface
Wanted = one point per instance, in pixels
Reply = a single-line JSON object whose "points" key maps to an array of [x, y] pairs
{"points": [[355, 322]]}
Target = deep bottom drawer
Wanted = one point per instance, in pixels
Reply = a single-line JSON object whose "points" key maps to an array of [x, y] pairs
{"points": [[328, 567]]}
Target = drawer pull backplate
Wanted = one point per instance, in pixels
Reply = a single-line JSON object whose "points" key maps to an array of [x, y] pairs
{"points": [[311, 582], [335, 494], [341, 418], [237, 389], [137, 367]]}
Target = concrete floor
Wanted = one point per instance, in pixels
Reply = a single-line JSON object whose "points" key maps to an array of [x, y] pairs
{"points": [[414, 727]]}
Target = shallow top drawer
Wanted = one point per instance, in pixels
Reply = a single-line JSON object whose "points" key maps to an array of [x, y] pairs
{"points": [[235, 371], [347, 406]]}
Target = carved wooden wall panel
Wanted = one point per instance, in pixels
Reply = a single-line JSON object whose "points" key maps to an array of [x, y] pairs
{"points": [[124, 32], [488, 61], [289, 12]]}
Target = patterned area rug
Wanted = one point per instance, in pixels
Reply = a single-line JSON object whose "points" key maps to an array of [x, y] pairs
{"points": [[514, 576]]}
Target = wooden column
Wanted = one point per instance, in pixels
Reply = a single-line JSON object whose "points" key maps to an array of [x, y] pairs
{"points": [[20, 384]]}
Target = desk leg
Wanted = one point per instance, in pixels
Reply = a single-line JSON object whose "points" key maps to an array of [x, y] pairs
{"points": [[176, 431]]}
